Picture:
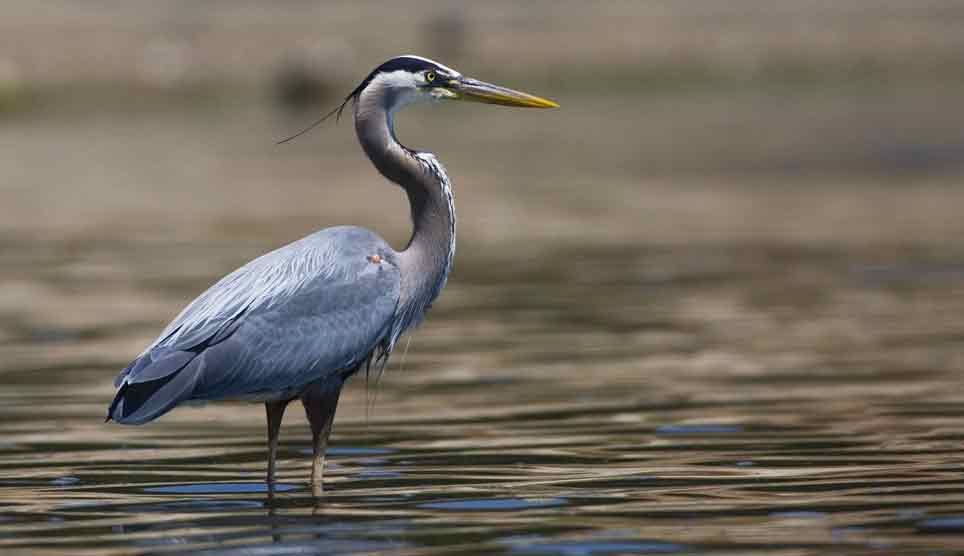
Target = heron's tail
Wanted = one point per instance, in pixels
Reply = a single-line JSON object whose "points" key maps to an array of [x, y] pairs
{"points": [[153, 384]]}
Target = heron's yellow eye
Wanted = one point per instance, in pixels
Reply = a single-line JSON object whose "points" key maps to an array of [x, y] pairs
{"points": [[430, 76]]}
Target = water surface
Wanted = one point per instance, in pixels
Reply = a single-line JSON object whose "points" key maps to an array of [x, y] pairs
{"points": [[712, 399]]}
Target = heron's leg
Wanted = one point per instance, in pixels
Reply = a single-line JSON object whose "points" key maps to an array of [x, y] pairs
{"points": [[275, 411], [320, 401]]}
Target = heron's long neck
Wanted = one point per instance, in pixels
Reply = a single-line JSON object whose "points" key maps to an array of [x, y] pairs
{"points": [[427, 259]]}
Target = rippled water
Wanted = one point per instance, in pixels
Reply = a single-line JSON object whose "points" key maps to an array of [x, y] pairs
{"points": [[728, 399]]}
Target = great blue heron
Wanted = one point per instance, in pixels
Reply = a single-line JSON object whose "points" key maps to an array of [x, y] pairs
{"points": [[298, 321]]}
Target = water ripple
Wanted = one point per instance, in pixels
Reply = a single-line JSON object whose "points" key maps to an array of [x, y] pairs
{"points": [[711, 419]]}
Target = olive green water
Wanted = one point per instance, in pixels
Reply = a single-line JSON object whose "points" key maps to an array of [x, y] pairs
{"points": [[657, 365]]}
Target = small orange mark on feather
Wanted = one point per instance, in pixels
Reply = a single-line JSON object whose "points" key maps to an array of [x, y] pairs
{"points": [[374, 259]]}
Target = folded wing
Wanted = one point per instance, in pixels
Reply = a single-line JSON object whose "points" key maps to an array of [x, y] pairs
{"points": [[318, 306]]}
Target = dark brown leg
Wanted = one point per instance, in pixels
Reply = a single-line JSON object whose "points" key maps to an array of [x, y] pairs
{"points": [[320, 401], [275, 411]]}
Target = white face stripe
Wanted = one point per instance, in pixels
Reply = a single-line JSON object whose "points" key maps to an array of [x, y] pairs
{"points": [[443, 66], [397, 79]]}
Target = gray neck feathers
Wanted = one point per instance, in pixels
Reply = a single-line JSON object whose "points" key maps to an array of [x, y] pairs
{"points": [[427, 259]]}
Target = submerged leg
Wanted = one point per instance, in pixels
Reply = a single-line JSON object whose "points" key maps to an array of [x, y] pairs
{"points": [[275, 411], [320, 401]]}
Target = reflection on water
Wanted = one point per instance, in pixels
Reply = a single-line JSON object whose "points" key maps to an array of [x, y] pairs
{"points": [[715, 399]]}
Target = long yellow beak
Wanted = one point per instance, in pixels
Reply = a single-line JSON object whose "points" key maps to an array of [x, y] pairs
{"points": [[474, 90]]}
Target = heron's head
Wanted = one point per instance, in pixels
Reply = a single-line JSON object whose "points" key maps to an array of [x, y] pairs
{"points": [[411, 79], [405, 80]]}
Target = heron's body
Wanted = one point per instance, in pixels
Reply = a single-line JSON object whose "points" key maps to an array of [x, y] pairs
{"points": [[298, 321], [264, 332]]}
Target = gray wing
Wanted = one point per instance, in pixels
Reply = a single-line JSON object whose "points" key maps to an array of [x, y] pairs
{"points": [[317, 306]]}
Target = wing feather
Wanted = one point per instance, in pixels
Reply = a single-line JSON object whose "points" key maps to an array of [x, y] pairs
{"points": [[316, 306]]}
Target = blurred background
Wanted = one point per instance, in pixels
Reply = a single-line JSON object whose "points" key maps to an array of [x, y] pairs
{"points": [[735, 252]]}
